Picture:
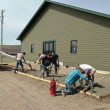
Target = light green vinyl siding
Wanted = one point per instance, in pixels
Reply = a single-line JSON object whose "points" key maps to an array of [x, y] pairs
{"points": [[65, 24]]}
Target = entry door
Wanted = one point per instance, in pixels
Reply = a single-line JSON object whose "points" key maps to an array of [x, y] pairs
{"points": [[48, 47]]}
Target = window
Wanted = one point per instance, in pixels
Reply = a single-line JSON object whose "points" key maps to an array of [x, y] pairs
{"points": [[73, 46], [32, 48], [48, 47]]}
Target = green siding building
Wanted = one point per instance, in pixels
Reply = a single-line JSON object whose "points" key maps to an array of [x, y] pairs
{"points": [[77, 35]]}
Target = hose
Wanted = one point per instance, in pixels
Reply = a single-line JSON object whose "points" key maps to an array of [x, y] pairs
{"points": [[54, 84]]}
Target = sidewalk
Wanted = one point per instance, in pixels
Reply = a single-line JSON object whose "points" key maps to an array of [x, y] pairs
{"points": [[103, 85], [101, 89]]}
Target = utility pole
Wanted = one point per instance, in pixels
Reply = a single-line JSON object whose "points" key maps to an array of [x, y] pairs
{"points": [[2, 17]]}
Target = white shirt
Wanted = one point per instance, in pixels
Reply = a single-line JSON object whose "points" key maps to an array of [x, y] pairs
{"points": [[85, 66], [19, 56], [42, 56]]}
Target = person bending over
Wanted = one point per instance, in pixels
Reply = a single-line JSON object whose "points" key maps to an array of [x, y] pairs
{"points": [[19, 58]]}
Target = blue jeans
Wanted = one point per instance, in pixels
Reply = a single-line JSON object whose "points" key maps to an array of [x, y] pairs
{"points": [[69, 87], [17, 63], [55, 64]]}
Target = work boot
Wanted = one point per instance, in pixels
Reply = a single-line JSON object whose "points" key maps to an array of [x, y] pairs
{"points": [[14, 72], [47, 74], [60, 90], [55, 71], [68, 92]]}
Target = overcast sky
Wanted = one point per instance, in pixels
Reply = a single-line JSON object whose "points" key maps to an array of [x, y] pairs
{"points": [[18, 13]]}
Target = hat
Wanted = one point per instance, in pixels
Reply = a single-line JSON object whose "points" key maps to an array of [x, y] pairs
{"points": [[93, 70]]}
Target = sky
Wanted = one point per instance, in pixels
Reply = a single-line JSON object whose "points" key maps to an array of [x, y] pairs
{"points": [[19, 12]]}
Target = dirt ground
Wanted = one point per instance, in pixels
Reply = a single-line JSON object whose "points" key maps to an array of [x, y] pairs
{"points": [[19, 92]]}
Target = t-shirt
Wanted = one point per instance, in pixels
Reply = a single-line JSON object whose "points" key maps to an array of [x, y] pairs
{"points": [[85, 66], [46, 61], [42, 56], [54, 57], [87, 71], [19, 56]]}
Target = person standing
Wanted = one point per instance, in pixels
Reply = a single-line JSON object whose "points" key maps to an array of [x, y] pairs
{"points": [[55, 61], [19, 58], [46, 61]]}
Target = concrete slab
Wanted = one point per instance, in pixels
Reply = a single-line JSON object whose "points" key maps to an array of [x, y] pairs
{"points": [[105, 76], [101, 89]]}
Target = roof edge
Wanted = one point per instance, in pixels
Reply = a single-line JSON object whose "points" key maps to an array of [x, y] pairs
{"points": [[80, 9], [62, 4], [26, 27]]}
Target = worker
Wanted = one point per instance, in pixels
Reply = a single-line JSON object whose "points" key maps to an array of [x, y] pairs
{"points": [[55, 61], [45, 64], [19, 58], [70, 80], [41, 57], [88, 71]]}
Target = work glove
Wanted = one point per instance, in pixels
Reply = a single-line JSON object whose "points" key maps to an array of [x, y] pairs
{"points": [[47, 67], [37, 62]]}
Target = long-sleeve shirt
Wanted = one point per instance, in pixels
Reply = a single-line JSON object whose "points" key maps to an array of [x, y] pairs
{"points": [[73, 76]]}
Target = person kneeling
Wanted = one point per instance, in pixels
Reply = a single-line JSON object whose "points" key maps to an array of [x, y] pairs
{"points": [[70, 80]]}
